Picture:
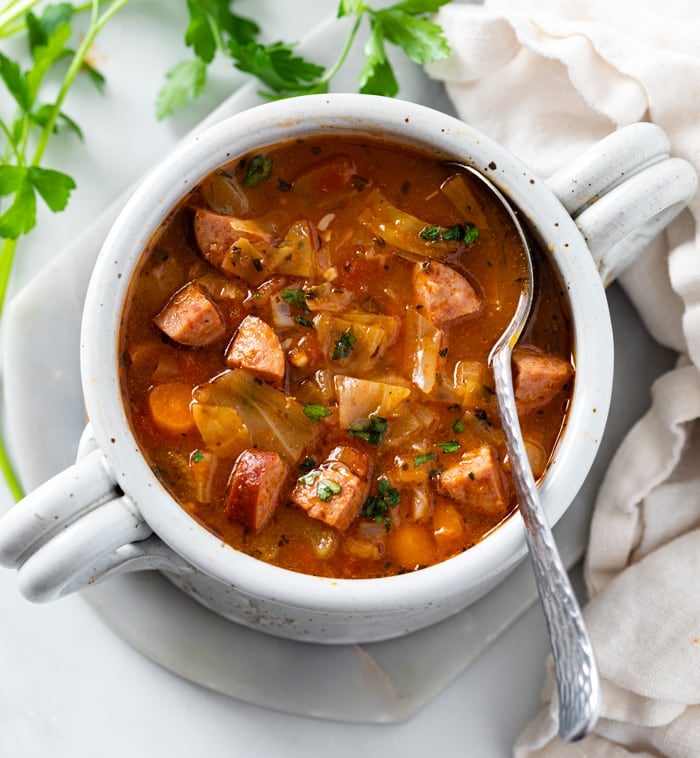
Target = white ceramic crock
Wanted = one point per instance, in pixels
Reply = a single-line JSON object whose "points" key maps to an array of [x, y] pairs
{"points": [[108, 514]]}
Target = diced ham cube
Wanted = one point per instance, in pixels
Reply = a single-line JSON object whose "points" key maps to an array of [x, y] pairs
{"points": [[538, 377], [442, 293], [335, 491], [191, 317], [477, 482], [257, 347], [217, 234], [255, 487]]}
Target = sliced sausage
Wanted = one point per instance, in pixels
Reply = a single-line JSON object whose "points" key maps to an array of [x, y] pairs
{"points": [[257, 347], [442, 293], [477, 482], [191, 317], [216, 236], [335, 491], [538, 377], [255, 487]]}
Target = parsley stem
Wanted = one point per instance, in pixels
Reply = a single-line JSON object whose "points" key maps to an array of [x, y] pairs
{"points": [[10, 14], [7, 256], [76, 64], [333, 70]]}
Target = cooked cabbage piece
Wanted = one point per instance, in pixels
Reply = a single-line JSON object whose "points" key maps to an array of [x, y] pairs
{"points": [[362, 399], [355, 341], [274, 420], [295, 253], [423, 345], [399, 229]]}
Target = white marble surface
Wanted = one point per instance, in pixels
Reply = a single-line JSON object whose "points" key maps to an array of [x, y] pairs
{"points": [[70, 685]]}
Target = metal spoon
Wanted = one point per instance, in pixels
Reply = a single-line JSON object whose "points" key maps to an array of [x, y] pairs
{"points": [[578, 682]]}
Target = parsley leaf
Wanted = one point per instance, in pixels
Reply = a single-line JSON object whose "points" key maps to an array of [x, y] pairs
{"points": [[458, 426], [259, 169], [184, 81], [343, 345], [197, 456], [20, 217], [448, 447], [278, 67], [372, 432], [421, 40], [53, 186], [295, 297], [377, 76], [467, 233], [307, 464], [430, 233], [421, 459], [377, 507], [310, 477], [470, 233], [316, 412], [327, 488]]}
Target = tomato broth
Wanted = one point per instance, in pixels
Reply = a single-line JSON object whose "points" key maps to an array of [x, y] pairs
{"points": [[305, 357]]}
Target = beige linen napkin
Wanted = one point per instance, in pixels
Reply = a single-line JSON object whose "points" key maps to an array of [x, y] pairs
{"points": [[547, 78]]}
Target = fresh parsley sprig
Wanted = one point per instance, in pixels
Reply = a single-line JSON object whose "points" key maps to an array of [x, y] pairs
{"points": [[214, 29], [25, 134]]}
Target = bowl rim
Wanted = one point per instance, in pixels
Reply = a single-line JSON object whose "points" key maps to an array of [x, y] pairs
{"points": [[397, 120]]}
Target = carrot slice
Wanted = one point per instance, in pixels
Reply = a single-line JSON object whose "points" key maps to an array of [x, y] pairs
{"points": [[412, 546], [169, 404]]}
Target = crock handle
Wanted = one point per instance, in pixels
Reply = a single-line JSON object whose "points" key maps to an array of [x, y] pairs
{"points": [[77, 529], [622, 192]]}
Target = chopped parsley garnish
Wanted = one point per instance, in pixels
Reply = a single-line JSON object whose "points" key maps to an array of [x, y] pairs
{"points": [[448, 447], [316, 412], [343, 345], [373, 432], [326, 489], [470, 234], [471, 475], [467, 233], [294, 297], [377, 506], [307, 464], [303, 321], [197, 456], [421, 459], [310, 478], [259, 169], [458, 426], [430, 233], [435, 472]]}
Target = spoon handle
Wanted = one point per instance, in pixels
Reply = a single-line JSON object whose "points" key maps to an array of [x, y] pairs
{"points": [[578, 682]]}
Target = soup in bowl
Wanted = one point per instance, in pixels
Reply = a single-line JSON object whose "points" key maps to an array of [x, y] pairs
{"points": [[305, 356], [284, 358]]}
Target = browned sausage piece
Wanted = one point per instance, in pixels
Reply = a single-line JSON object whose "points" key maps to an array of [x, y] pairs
{"points": [[256, 347], [255, 487], [216, 236], [191, 318], [334, 492], [538, 377], [477, 481], [443, 293]]}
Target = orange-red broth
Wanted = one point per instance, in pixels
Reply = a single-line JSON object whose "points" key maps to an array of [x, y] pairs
{"points": [[309, 182]]}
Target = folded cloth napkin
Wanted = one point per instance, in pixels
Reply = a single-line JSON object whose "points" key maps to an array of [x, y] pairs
{"points": [[547, 78]]}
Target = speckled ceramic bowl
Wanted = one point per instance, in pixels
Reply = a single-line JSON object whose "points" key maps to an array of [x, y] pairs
{"points": [[109, 514]]}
